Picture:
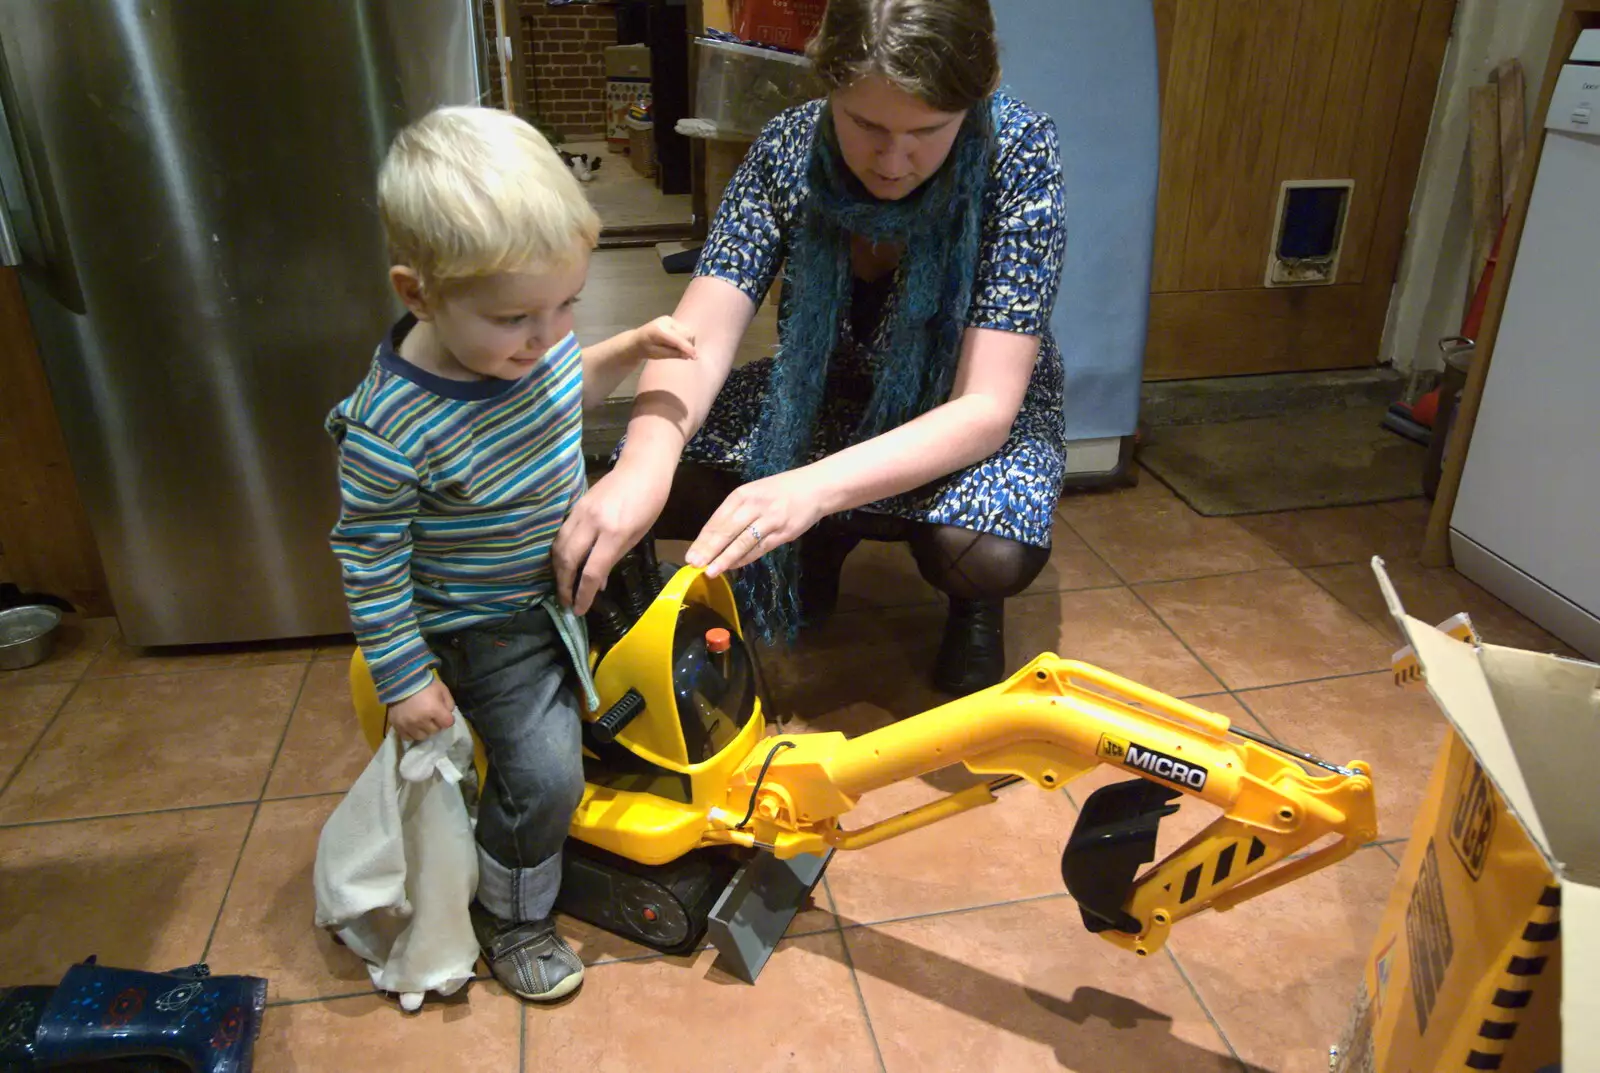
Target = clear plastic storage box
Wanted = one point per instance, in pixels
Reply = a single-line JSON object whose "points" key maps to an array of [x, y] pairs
{"points": [[740, 87]]}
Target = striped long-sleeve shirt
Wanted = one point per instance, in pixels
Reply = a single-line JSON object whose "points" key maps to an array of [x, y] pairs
{"points": [[451, 495]]}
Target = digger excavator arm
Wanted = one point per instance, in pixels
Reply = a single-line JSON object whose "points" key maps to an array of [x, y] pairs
{"points": [[1050, 723]]}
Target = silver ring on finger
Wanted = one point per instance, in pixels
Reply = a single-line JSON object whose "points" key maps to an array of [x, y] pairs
{"points": [[755, 533]]}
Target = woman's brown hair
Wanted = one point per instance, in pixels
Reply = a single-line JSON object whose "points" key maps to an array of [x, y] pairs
{"points": [[942, 52]]}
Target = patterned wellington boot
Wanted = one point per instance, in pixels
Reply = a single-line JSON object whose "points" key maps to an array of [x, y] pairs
{"points": [[207, 1024], [21, 1009]]}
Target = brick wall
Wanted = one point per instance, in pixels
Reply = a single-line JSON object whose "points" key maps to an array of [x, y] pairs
{"points": [[563, 53], [497, 97], [565, 48]]}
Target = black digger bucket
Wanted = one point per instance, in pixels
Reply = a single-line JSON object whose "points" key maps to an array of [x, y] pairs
{"points": [[1114, 837]]}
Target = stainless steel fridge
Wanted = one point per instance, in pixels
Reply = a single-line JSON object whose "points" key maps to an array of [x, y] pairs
{"points": [[188, 194]]}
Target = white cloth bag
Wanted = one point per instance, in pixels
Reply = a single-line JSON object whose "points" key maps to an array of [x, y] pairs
{"points": [[396, 866]]}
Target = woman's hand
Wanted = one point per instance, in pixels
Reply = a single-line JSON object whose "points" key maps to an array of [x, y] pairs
{"points": [[757, 518], [609, 520], [424, 713]]}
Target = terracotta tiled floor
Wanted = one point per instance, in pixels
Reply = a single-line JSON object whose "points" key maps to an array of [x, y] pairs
{"points": [[157, 810]]}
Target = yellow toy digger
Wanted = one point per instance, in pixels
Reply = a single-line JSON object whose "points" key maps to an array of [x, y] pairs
{"points": [[694, 821]]}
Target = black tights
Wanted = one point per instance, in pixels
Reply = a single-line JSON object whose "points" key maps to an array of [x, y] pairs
{"points": [[961, 563]]}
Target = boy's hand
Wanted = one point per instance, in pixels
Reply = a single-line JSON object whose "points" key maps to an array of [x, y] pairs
{"points": [[424, 713], [664, 338]]}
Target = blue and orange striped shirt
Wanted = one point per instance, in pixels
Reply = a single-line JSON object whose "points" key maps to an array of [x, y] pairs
{"points": [[451, 494]]}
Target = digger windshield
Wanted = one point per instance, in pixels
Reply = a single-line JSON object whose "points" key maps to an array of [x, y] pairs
{"points": [[713, 681]]}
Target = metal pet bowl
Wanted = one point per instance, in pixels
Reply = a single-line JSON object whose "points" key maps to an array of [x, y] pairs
{"points": [[27, 635]]}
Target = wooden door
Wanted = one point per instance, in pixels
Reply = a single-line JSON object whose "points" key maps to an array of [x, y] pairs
{"points": [[1257, 92], [45, 541]]}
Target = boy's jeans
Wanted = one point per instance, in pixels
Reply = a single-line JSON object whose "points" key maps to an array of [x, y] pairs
{"points": [[514, 683]]}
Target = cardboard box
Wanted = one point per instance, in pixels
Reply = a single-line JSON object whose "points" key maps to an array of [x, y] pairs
{"points": [[621, 95], [627, 81], [642, 146], [628, 61], [1488, 956]]}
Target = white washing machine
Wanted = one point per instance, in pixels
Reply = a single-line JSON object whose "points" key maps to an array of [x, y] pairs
{"points": [[1526, 524]]}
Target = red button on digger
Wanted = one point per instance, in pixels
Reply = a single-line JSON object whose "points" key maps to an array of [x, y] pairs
{"points": [[718, 639]]}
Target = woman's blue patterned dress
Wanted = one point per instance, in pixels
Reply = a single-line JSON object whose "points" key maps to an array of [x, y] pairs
{"points": [[1011, 494]]}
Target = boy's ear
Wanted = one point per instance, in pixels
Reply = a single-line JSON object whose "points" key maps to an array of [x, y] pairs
{"points": [[408, 286]]}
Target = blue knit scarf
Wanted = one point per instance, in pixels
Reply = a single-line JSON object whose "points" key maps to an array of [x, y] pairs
{"points": [[939, 228]]}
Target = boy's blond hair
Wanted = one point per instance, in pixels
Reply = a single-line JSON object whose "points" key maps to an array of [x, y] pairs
{"points": [[467, 192]]}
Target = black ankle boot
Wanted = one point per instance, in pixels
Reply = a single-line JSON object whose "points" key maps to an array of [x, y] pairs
{"points": [[972, 655]]}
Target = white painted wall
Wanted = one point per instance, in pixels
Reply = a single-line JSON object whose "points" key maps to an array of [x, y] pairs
{"points": [[1430, 295]]}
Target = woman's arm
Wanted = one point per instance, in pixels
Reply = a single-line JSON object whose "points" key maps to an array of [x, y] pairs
{"points": [[674, 397], [990, 382], [738, 264], [672, 401], [989, 385]]}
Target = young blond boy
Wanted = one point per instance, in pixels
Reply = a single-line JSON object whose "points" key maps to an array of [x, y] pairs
{"points": [[459, 457]]}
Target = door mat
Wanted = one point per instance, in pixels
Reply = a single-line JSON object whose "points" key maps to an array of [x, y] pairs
{"points": [[1329, 458]]}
